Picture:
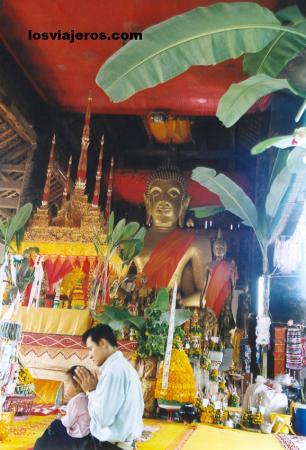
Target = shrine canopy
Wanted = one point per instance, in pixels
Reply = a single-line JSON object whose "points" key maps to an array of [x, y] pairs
{"points": [[63, 73]]}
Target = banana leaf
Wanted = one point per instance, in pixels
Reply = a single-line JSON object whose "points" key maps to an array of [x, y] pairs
{"points": [[18, 221], [162, 300], [275, 141], [276, 55], [203, 36], [181, 316], [130, 229], [277, 191], [289, 14], [241, 96], [117, 325], [231, 195], [111, 223], [296, 162], [279, 221], [137, 321], [206, 211], [233, 198], [279, 163], [116, 313], [118, 231]]}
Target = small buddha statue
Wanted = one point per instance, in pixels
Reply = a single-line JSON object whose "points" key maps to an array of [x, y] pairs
{"points": [[171, 253], [221, 276]]}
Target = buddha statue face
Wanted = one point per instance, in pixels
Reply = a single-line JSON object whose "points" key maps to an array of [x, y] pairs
{"points": [[165, 199], [219, 248]]}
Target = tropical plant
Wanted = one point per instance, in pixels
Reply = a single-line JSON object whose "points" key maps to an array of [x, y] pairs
{"points": [[14, 226], [207, 36], [268, 220], [15, 271], [152, 328], [115, 254]]}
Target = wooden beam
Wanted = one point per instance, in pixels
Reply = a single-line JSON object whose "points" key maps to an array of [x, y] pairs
{"points": [[13, 117], [5, 142], [10, 186], [9, 203], [20, 168]]}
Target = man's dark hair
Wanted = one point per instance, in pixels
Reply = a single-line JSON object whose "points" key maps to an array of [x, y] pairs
{"points": [[98, 332]]}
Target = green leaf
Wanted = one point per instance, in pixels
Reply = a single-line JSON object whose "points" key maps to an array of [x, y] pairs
{"points": [[27, 251], [116, 313], [279, 163], [118, 231], [241, 96], [181, 316], [275, 141], [207, 211], [276, 55], [18, 221], [162, 300], [277, 191], [231, 195], [128, 250], [202, 36], [117, 325], [138, 322], [111, 223], [284, 209], [296, 161], [19, 235], [130, 229], [3, 230], [103, 318], [289, 14], [140, 233]]}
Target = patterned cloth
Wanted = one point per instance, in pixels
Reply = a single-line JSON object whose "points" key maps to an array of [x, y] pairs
{"points": [[294, 358]]}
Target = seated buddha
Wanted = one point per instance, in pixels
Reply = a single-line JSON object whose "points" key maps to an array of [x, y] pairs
{"points": [[171, 253]]}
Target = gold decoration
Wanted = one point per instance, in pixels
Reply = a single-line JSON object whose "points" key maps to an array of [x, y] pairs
{"points": [[181, 384]]}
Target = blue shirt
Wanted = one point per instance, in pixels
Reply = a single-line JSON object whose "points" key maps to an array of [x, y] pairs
{"points": [[116, 406]]}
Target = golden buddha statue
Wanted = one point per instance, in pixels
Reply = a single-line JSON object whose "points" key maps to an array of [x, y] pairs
{"points": [[171, 253]]}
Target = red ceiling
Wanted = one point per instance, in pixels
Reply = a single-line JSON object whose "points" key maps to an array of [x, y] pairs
{"points": [[63, 73]]}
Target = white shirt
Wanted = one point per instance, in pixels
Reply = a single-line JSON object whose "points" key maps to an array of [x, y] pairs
{"points": [[116, 406]]}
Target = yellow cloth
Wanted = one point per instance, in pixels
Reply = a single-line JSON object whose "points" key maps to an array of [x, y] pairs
{"points": [[219, 439], [46, 391], [73, 322], [23, 434], [169, 436]]}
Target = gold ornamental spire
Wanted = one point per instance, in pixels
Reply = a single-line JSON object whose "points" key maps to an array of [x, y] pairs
{"points": [[82, 167], [109, 191], [95, 200], [46, 193], [67, 182]]}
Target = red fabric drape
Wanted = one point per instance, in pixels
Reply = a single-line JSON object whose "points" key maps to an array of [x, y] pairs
{"points": [[56, 270], [165, 258], [219, 287], [86, 270]]}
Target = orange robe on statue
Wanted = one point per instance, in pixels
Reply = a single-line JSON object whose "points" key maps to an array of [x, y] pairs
{"points": [[220, 286], [165, 258]]}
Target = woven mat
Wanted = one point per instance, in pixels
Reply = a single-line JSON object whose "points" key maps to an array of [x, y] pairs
{"points": [[292, 442]]}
